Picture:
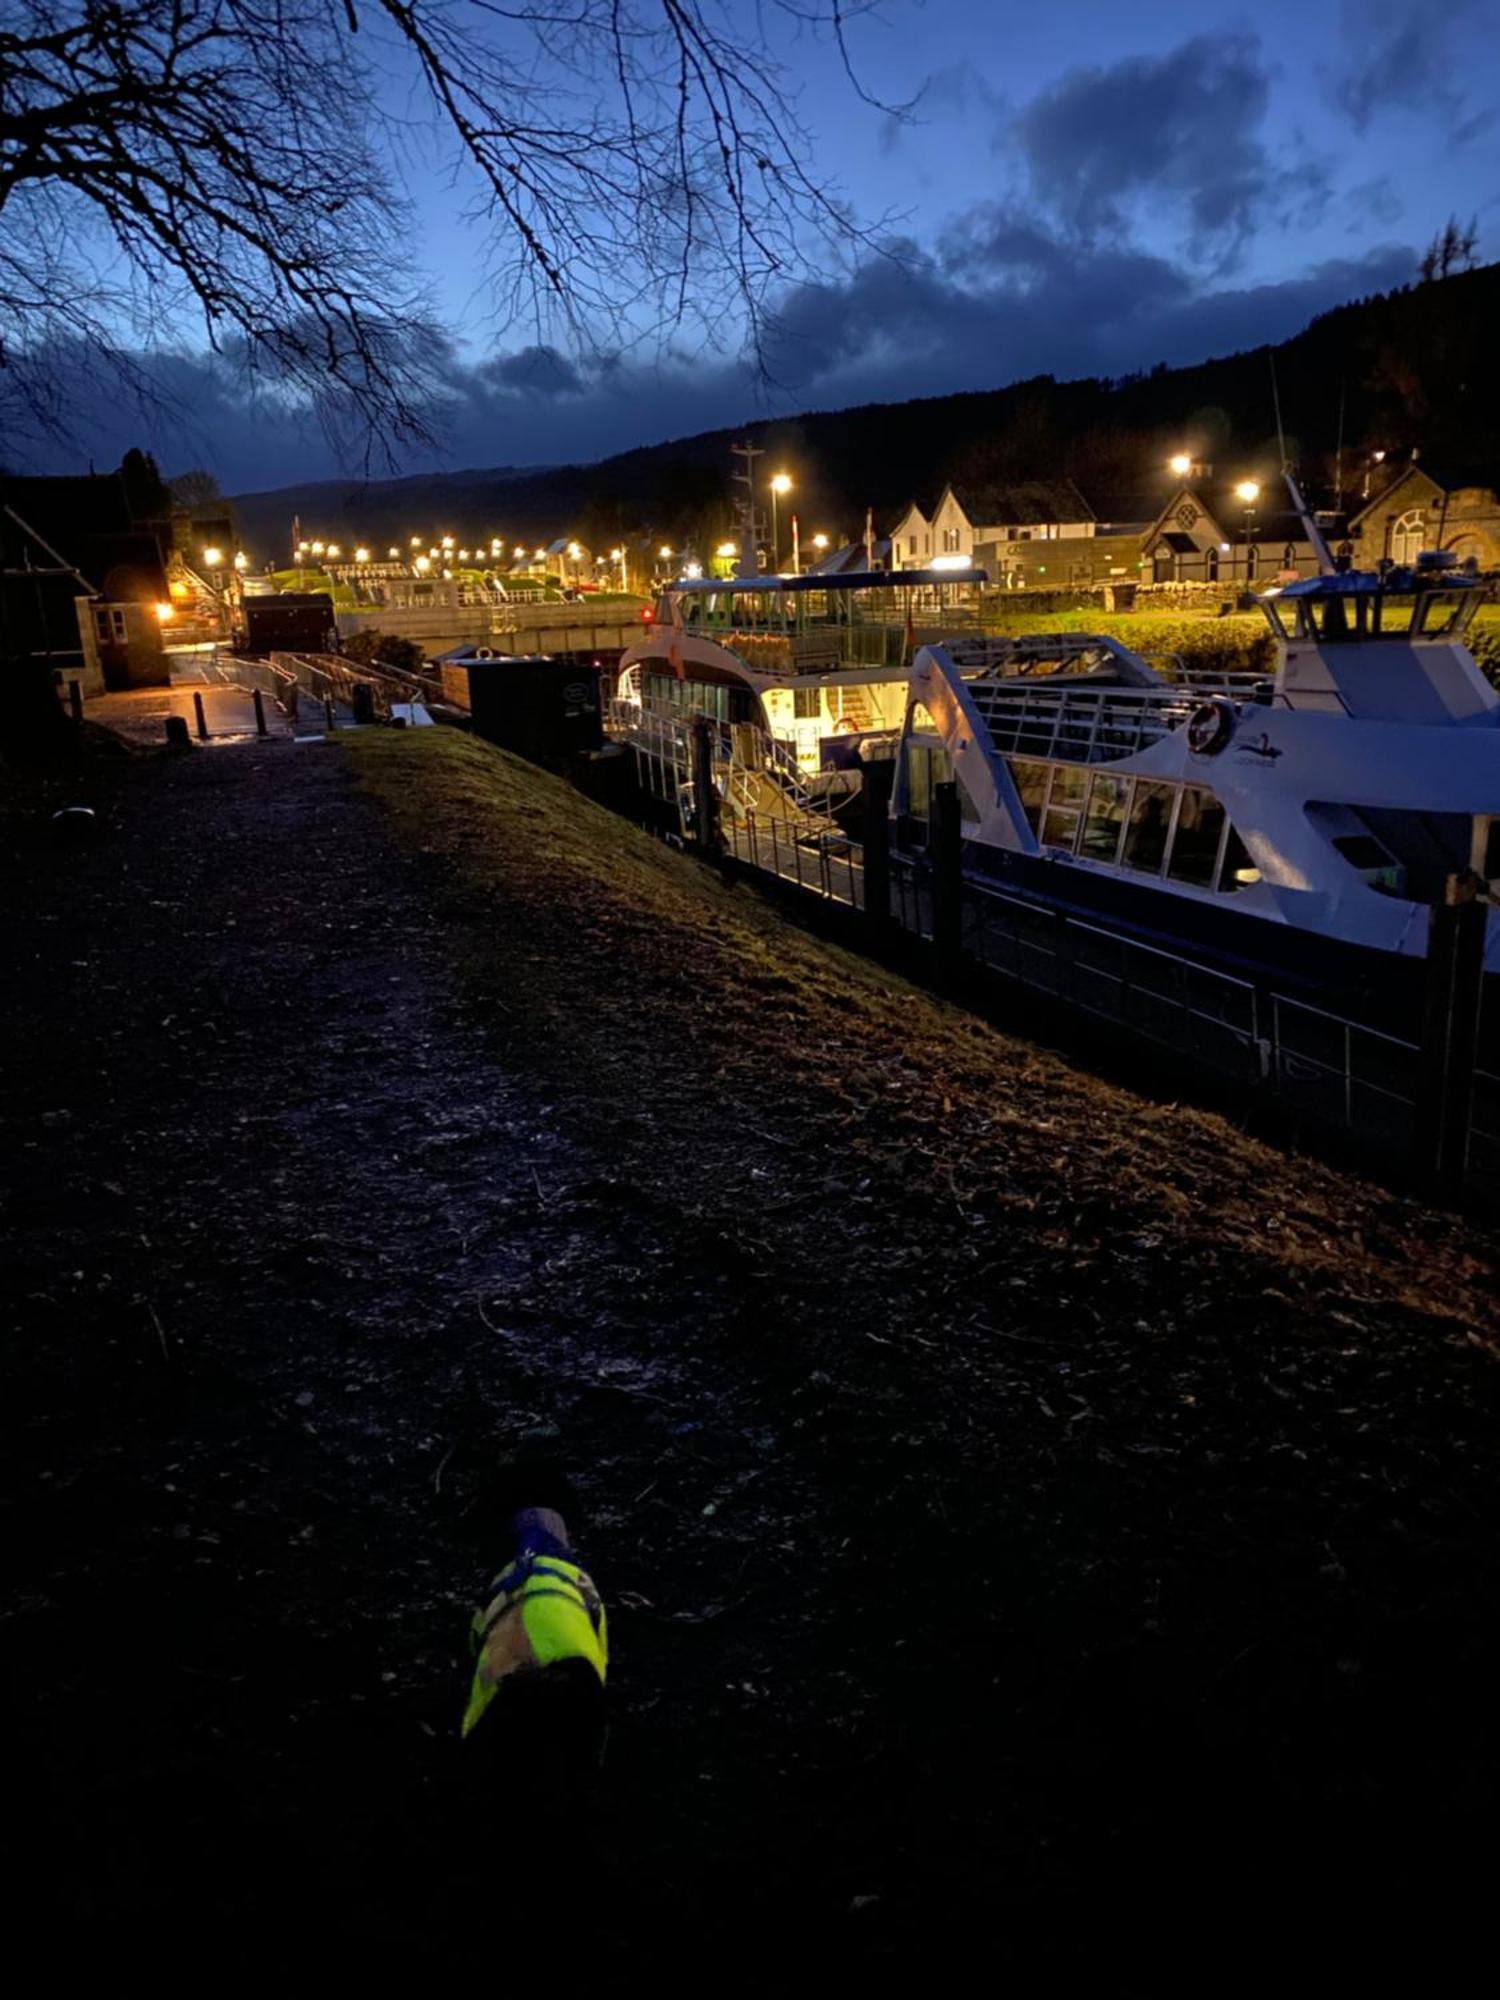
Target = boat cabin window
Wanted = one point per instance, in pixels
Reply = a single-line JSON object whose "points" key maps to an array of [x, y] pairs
{"points": [[1195, 844], [1237, 870], [1064, 806], [1030, 778], [807, 704], [1150, 823], [1443, 614], [1104, 822]]}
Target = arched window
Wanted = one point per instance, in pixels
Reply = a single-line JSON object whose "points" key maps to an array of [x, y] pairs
{"points": [[1252, 560], [1211, 565], [1289, 557], [1407, 536]]}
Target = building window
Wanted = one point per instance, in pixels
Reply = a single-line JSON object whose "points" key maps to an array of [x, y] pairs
{"points": [[1252, 560], [1288, 557], [911, 545], [950, 540], [109, 623], [1211, 565], [807, 704], [1407, 533]]}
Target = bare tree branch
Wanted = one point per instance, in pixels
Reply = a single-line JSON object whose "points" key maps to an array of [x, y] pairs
{"points": [[226, 165]]}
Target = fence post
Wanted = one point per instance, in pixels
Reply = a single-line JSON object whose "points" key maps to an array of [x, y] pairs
{"points": [[878, 784], [260, 711], [1450, 1032], [75, 700], [944, 835], [705, 798], [202, 718]]}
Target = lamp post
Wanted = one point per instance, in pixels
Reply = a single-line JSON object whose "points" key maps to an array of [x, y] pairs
{"points": [[1248, 490], [780, 484]]}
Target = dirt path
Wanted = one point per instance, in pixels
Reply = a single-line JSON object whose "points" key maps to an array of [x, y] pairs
{"points": [[1012, 1497]]}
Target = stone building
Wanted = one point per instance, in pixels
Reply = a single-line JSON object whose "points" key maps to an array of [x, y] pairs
{"points": [[1417, 509]]}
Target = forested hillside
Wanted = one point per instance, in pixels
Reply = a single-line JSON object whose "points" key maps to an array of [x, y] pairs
{"points": [[1412, 368]]}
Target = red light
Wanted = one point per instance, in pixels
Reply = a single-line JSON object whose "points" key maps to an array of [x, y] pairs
{"points": [[648, 616]]}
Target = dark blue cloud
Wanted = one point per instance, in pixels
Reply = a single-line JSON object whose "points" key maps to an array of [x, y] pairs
{"points": [[1182, 131]]}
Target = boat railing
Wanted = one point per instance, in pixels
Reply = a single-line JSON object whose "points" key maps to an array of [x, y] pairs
{"points": [[1078, 725]]}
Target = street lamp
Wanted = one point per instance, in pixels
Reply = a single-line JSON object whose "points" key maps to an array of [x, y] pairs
{"points": [[618, 555], [415, 542], [422, 565], [780, 484], [447, 541], [820, 543], [361, 555], [393, 553], [241, 560], [1180, 463], [213, 557], [1248, 490], [576, 553]]}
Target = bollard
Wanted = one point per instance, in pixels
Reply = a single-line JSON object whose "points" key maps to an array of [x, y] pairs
{"points": [[177, 733], [75, 700], [705, 798], [879, 779], [329, 717], [946, 850], [202, 718], [291, 703], [260, 712], [1450, 1033]]}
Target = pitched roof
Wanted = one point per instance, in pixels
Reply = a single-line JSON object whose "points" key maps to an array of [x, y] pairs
{"points": [[1028, 500]]}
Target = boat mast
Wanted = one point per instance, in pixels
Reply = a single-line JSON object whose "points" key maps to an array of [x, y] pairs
{"points": [[749, 562]]}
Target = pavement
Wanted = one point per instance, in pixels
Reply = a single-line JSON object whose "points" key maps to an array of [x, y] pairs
{"points": [[140, 714]]}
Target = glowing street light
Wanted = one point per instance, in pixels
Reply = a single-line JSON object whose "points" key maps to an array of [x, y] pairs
{"points": [[393, 553], [302, 548], [519, 553], [415, 542], [727, 549], [241, 560], [361, 555], [782, 483], [334, 550], [692, 569], [820, 542], [447, 541], [422, 565], [1248, 490], [1180, 463], [317, 548], [165, 613], [463, 555], [213, 557], [665, 553]]}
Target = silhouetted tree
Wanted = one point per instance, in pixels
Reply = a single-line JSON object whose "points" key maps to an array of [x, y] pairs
{"points": [[167, 165], [196, 488], [1452, 249]]}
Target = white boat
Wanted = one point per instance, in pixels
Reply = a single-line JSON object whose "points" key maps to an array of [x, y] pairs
{"points": [[820, 664], [1299, 829]]}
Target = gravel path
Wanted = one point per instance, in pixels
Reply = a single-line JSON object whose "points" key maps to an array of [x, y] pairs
{"points": [[1013, 1498]]}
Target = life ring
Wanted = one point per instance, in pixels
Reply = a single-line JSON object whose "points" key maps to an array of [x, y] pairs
{"points": [[1210, 726]]}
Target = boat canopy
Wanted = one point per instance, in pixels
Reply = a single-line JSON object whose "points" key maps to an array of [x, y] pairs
{"points": [[867, 579]]}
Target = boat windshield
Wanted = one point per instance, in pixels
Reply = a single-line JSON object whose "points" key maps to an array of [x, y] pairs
{"points": [[1336, 617]]}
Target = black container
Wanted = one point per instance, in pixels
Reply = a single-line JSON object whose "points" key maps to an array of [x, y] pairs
{"points": [[545, 710]]}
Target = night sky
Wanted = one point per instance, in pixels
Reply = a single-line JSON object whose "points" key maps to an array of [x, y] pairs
{"points": [[1082, 188]]}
